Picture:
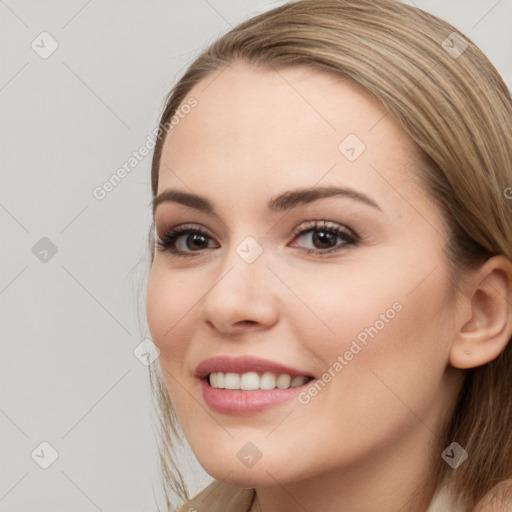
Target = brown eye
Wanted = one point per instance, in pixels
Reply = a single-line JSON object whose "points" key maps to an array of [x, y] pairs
{"points": [[184, 241], [325, 237]]}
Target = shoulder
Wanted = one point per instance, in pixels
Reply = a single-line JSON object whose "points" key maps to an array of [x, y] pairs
{"points": [[219, 497], [498, 499], [443, 501]]}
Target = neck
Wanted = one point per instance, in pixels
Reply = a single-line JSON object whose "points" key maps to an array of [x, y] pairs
{"points": [[389, 480]]}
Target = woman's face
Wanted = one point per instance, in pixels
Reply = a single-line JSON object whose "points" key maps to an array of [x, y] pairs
{"points": [[350, 289]]}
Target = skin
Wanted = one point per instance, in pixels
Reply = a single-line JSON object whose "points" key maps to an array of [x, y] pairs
{"points": [[363, 443]]}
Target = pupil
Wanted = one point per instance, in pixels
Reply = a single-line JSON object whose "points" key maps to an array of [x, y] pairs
{"points": [[324, 237], [195, 240]]}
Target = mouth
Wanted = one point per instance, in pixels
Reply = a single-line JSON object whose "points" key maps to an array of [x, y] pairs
{"points": [[251, 381], [247, 385]]}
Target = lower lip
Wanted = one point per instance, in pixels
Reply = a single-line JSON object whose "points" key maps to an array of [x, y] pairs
{"points": [[234, 401]]}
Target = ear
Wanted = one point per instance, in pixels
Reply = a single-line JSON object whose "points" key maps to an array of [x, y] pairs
{"points": [[485, 334]]}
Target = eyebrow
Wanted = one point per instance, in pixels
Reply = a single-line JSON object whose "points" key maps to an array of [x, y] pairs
{"points": [[282, 202]]}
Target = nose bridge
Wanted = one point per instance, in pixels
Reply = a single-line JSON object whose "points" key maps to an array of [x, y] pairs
{"points": [[241, 292], [242, 268]]}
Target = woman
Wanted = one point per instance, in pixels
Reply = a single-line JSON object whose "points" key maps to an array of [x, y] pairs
{"points": [[331, 275]]}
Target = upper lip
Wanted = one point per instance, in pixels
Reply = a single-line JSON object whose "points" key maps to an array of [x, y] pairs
{"points": [[244, 364]]}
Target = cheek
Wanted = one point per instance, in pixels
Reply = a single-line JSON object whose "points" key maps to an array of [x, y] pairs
{"points": [[401, 362], [376, 322], [337, 305], [168, 307]]}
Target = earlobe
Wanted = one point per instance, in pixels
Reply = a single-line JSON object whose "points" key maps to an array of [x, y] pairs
{"points": [[486, 333]]}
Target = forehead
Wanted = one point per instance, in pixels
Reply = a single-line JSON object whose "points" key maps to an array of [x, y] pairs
{"points": [[243, 100], [259, 129]]}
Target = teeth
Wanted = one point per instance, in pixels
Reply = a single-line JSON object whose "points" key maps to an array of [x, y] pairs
{"points": [[267, 381], [283, 381], [252, 380], [298, 381], [232, 381]]}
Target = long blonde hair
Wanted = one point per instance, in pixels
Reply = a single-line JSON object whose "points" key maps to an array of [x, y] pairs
{"points": [[456, 107]]}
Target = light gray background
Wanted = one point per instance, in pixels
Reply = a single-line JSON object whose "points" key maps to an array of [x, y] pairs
{"points": [[69, 325]]}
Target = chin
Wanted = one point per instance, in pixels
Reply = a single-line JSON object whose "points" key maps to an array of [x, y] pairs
{"points": [[245, 478], [228, 468]]}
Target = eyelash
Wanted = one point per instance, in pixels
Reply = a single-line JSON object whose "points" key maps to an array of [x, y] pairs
{"points": [[166, 243]]}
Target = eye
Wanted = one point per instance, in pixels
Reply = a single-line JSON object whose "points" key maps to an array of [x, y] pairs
{"points": [[183, 240], [189, 240], [325, 236]]}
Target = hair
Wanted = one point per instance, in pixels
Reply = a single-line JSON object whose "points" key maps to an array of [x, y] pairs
{"points": [[458, 110]]}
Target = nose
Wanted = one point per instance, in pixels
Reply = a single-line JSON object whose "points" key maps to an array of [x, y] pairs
{"points": [[242, 296]]}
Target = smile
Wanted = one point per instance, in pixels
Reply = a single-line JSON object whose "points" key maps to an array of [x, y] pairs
{"points": [[246, 384], [252, 380]]}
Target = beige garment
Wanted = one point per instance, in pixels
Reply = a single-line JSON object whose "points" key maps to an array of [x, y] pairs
{"points": [[443, 502], [241, 499]]}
